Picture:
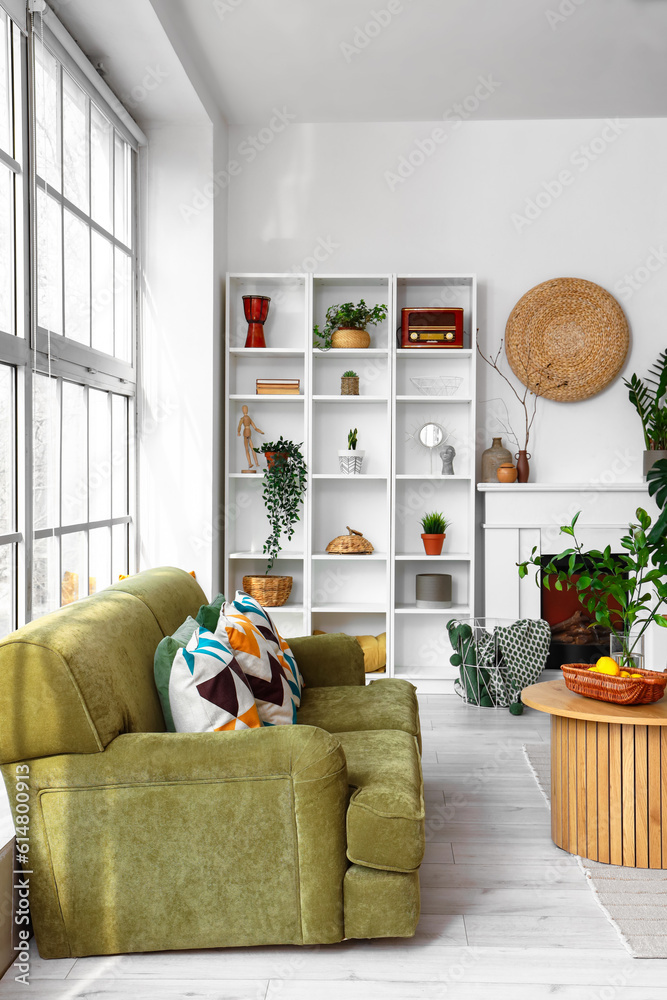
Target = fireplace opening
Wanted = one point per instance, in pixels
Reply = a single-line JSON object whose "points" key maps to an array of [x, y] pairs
{"points": [[575, 635]]}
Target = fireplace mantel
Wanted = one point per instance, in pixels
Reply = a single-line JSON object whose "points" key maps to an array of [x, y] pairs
{"points": [[519, 516]]}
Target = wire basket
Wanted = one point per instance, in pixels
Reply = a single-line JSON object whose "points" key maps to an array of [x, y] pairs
{"points": [[485, 685], [437, 385]]}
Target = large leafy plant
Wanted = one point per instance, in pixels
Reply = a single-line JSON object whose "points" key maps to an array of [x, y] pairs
{"points": [[623, 592], [347, 317], [648, 398], [285, 482]]}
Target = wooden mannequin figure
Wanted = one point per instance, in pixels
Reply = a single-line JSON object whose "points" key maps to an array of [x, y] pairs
{"points": [[246, 423]]}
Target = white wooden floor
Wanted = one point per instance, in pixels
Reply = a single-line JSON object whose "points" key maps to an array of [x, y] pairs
{"points": [[506, 915]]}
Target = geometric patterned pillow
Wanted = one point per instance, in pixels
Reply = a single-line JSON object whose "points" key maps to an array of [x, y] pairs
{"points": [[259, 616], [208, 690], [267, 671]]}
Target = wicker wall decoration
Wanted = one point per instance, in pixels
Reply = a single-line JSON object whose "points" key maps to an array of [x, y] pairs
{"points": [[567, 339]]}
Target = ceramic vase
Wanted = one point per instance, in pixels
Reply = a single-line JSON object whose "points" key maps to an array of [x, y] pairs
{"points": [[492, 458], [522, 466], [506, 473]]}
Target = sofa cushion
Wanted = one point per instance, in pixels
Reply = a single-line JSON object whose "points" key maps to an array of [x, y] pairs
{"points": [[244, 604], [385, 817], [163, 662], [383, 704]]}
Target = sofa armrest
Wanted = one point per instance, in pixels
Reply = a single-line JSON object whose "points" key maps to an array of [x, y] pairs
{"points": [[331, 660], [189, 840]]}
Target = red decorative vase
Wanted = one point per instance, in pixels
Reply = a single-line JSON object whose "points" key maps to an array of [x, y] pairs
{"points": [[256, 309], [522, 466]]}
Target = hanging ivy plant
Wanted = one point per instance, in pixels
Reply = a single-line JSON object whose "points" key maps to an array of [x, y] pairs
{"points": [[285, 481]]}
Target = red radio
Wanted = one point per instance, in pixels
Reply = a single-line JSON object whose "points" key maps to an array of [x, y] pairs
{"points": [[427, 327]]}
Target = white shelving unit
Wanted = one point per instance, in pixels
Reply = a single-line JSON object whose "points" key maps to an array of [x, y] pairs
{"points": [[356, 594]]}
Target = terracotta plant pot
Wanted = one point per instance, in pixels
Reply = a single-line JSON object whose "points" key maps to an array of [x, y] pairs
{"points": [[272, 457], [350, 338], [506, 473], [433, 544]]}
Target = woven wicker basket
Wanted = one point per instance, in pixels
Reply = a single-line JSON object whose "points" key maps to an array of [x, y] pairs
{"points": [[349, 385], [618, 690], [351, 338], [269, 591], [353, 544]]}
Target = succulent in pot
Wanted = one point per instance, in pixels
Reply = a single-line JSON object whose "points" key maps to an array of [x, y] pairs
{"points": [[349, 383], [345, 325], [350, 460], [434, 527]]}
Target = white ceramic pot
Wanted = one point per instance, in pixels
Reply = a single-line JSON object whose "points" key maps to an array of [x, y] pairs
{"points": [[350, 462]]}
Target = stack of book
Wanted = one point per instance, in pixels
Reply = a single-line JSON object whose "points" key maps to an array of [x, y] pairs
{"points": [[278, 386]]}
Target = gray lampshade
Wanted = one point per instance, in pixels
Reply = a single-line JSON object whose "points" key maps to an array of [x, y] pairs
{"points": [[434, 590]]}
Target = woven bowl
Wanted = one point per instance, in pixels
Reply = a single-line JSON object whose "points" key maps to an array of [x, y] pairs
{"points": [[567, 339], [269, 591], [618, 690]]}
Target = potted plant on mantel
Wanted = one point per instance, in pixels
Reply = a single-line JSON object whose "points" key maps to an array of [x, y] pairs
{"points": [[285, 481], [350, 461], [345, 326], [625, 593], [648, 398], [434, 527]]}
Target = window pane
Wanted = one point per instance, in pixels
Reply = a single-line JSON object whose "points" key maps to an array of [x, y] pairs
{"points": [[101, 136], [120, 455], [123, 188], [7, 250], [74, 451], [74, 567], [102, 305], [100, 559], [119, 556], [75, 143], [49, 252], [7, 589], [47, 88], [7, 451], [5, 89], [77, 279], [99, 468], [45, 591], [123, 290], [46, 434]]}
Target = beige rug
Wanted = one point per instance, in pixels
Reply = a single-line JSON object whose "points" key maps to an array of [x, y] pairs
{"points": [[634, 900]]}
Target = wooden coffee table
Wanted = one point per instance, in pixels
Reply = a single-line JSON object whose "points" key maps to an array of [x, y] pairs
{"points": [[608, 776]]}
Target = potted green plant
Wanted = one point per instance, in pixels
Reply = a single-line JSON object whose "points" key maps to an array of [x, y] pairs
{"points": [[349, 384], [434, 527], [346, 324], [648, 398], [625, 592], [285, 482], [350, 460]]}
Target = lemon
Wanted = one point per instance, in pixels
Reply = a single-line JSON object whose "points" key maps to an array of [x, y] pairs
{"points": [[624, 673], [605, 665], [637, 675]]}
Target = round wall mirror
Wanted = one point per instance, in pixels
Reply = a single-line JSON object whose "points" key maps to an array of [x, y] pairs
{"points": [[431, 435]]}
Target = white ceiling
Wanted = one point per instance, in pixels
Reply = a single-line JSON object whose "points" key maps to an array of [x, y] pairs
{"points": [[603, 58]]}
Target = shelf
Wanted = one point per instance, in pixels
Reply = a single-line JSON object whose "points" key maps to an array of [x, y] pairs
{"points": [[442, 478], [432, 352], [267, 352], [340, 475], [293, 397], [372, 557], [263, 555], [456, 611], [351, 352], [349, 399], [421, 556], [351, 609], [251, 476], [433, 399], [294, 609]]}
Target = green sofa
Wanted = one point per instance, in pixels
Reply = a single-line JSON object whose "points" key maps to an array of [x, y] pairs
{"points": [[143, 840]]}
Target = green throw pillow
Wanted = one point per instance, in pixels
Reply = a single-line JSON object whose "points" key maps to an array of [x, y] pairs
{"points": [[209, 614], [164, 658]]}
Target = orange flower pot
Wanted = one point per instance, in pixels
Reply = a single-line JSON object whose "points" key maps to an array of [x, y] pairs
{"points": [[433, 544]]}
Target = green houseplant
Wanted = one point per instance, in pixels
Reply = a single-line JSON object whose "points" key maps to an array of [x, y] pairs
{"points": [[349, 383], [624, 593], [350, 460], [434, 527], [285, 482], [648, 398], [345, 325]]}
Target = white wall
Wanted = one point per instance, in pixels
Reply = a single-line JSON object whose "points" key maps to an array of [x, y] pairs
{"points": [[338, 185], [176, 406]]}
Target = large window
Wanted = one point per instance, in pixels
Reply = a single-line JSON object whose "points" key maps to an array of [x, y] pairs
{"points": [[67, 332]]}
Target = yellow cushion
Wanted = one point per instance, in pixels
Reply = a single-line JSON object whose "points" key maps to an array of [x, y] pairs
{"points": [[374, 648]]}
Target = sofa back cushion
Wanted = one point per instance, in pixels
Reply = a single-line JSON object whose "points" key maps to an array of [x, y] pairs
{"points": [[71, 681], [170, 593]]}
